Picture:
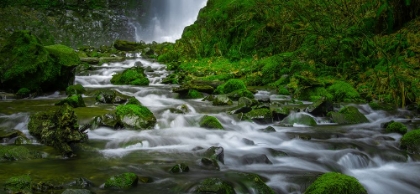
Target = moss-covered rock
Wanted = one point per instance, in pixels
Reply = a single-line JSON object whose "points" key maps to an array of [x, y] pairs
{"points": [[122, 181], [253, 183], [6, 133], [335, 183], [210, 122], [75, 100], [259, 115], [214, 185], [348, 115], [382, 106], [235, 95], [18, 184], [180, 168], [299, 118], [124, 45], [343, 92], [110, 96], [411, 141], [222, 100], [396, 127], [135, 116], [230, 86], [131, 76], [320, 107], [268, 129], [58, 128], [13, 153], [193, 94], [75, 89]]}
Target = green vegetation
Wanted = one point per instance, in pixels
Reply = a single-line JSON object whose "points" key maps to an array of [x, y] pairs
{"points": [[18, 184], [122, 181], [348, 115], [63, 55], [194, 94], [335, 183], [343, 50], [214, 185], [135, 116], [411, 141], [210, 122], [75, 89], [132, 76], [230, 86], [396, 127], [13, 153]]}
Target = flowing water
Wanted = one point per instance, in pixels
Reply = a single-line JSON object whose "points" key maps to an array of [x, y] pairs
{"points": [[362, 150]]}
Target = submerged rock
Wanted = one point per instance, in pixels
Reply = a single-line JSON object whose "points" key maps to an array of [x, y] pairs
{"points": [[122, 181], [110, 96], [214, 185], [255, 159], [299, 118], [180, 168], [58, 128], [348, 115], [249, 182]]}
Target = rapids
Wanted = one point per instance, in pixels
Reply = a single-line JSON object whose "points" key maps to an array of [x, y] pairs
{"points": [[363, 150]]}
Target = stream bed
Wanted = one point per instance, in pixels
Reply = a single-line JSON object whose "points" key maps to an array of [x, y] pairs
{"points": [[291, 162]]}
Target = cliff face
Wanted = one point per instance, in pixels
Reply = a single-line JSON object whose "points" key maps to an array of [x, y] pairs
{"points": [[71, 22]]}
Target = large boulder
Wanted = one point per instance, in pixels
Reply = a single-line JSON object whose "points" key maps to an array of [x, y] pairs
{"points": [[411, 141], [59, 129], [26, 63], [133, 115], [335, 183], [348, 115], [131, 76]]}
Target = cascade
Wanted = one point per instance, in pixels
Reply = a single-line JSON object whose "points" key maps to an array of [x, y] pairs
{"points": [[165, 20]]}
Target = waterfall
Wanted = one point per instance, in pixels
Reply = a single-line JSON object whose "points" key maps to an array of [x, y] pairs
{"points": [[165, 20]]}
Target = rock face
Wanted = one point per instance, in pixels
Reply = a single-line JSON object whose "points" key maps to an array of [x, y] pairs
{"points": [[26, 63], [58, 128]]}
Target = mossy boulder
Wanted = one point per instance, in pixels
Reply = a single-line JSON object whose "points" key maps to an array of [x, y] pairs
{"points": [[230, 86], [396, 127], [180, 168], [335, 183], [210, 122], [58, 128], [6, 133], [131, 76], [235, 95], [411, 141], [382, 106], [75, 100], [122, 181], [75, 89], [222, 100], [26, 63], [259, 115], [214, 185], [18, 184], [134, 116], [193, 94], [109, 96], [320, 107], [124, 45], [106, 120], [348, 115], [14, 153], [299, 118]]}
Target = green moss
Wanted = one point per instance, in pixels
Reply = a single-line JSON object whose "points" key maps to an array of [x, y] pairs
{"points": [[133, 109], [343, 92], [396, 127], [122, 181], [13, 153], [18, 184], [283, 90], [124, 45], [134, 101], [132, 76], [230, 86], [214, 185], [382, 106], [210, 122], [235, 95], [411, 141], [348, 115], [135, 116], [335, 183], [75, 89], [253, 182], [179, 168], [64, 55], [75, 100], [23, 93], [194, 94]]}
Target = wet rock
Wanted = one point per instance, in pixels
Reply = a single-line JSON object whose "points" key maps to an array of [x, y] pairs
{"points": [[255, 159], [277, 153], [90, 60], [261, 116], [247, 141], [251, 183], [75, 89], [411, 141], [246, 102], [268, 129], [76, 191], [122, 181], [320, 107], [279, 113], [80, 183], [181, 109], [222, 100], [135, 116], [210, 122], [58, 128], [110, 96], [180, 168], [214, 185], [299, 118], [132, 76], [75, 100], [149, 69], [103, 60], [106, 120], [18, 184], [6, 134], [237, 94], [216, 153], [348, 115], [124, 45]]}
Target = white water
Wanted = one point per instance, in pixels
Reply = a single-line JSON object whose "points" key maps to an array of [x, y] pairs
{"points": [[167, 19]]}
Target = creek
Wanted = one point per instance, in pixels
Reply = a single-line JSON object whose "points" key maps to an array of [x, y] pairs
{"points": [[363, 150]]}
